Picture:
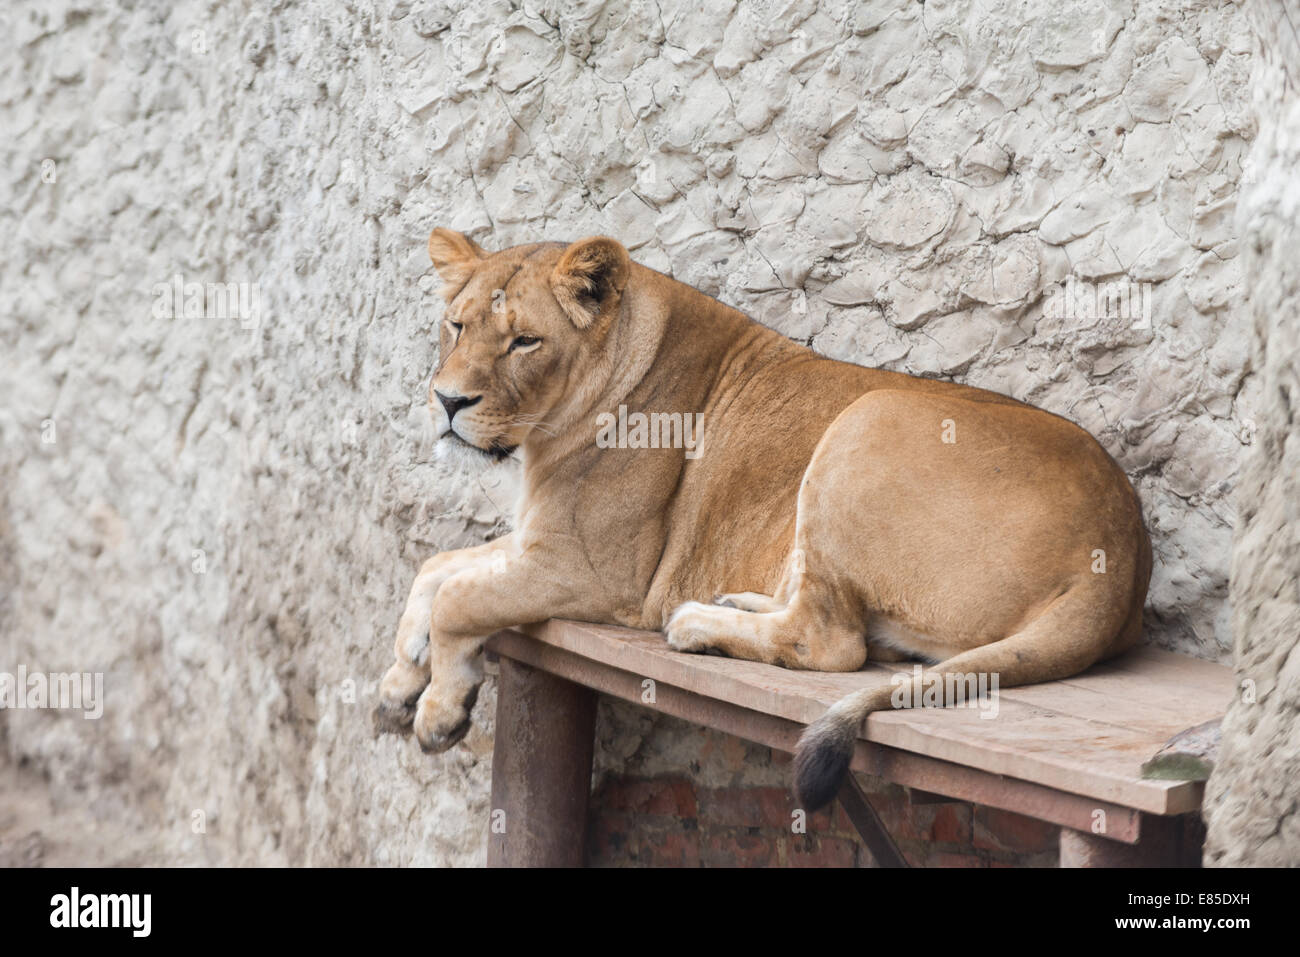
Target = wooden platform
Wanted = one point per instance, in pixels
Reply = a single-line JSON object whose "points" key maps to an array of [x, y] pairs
{"points": [[1068, 752]]}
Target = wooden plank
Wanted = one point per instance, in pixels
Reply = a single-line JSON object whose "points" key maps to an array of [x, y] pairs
{"points": [[1088, 758], [796, 695], [1191, 674], [907, 769], [754, 726], [1153, 699], [1158, 712], [1097, 754]]}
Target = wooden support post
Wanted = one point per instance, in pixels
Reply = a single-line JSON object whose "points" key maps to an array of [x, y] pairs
{"points": [[541, 769], [869, 825], [1164, 842]]}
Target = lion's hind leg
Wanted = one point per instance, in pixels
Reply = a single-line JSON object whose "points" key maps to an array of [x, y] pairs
{"points": [[803, 634]]}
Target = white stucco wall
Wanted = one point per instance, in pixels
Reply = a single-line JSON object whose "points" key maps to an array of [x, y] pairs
{"points": [[223, 513], [1251, 799]]}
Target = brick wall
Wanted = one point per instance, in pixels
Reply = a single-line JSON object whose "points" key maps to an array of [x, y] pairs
{"points": [[674, 820]]}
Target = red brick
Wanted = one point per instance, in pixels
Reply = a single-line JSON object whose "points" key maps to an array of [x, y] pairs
{"points": [[730, 807], [625, 840], [672, 796], [951, 824], [667, 822], [916, 856], [903, 820], [615, 839], [736, 847], [1006, 831], [821, 852], [673, 849], [607, 836], [778, 807], [748, 807]]}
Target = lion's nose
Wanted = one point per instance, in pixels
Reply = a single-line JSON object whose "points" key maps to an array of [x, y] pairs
{"points": [[454, 403]]}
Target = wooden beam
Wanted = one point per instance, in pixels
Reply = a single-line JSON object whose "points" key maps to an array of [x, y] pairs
{"points": [[868, 824], [917, 796], [1166, 842]]}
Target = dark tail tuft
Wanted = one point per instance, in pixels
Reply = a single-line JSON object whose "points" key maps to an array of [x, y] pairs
{"points": [[821, 760]]}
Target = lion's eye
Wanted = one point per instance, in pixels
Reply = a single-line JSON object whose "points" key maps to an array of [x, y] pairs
{"points": [[523, 342], [456, 326]]}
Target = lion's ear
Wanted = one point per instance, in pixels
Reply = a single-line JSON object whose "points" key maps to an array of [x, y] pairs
{"points": [[589, 279], [455, 257]]}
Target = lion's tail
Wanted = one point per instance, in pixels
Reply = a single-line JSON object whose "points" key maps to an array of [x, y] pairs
{"points": [[1079, 628], [825, 749]]}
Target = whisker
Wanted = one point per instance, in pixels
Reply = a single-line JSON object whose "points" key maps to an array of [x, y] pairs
{"points": [[534, 422]]}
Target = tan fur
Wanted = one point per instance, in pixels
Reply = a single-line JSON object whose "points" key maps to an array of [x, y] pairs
{"points": [[826, 508]]}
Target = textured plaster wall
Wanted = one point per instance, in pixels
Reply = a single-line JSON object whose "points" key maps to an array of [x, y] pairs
{"points": [[222, 511], [1252, 800]]}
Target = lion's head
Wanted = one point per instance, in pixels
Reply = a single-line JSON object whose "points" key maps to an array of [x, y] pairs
{"points": [[521, 334]]}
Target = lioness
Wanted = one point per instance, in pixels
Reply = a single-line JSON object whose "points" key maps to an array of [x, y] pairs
{"points": [[838, 513]]}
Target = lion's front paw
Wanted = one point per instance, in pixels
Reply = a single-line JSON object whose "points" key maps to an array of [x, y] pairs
{"points": [[398, 693], [688, 629], [391, 718], [438, 727]]}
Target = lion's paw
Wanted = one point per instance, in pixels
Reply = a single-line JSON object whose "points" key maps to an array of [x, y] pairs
{"points": [[439, 728], [398, 693], [747, 601], [688, 628]]}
